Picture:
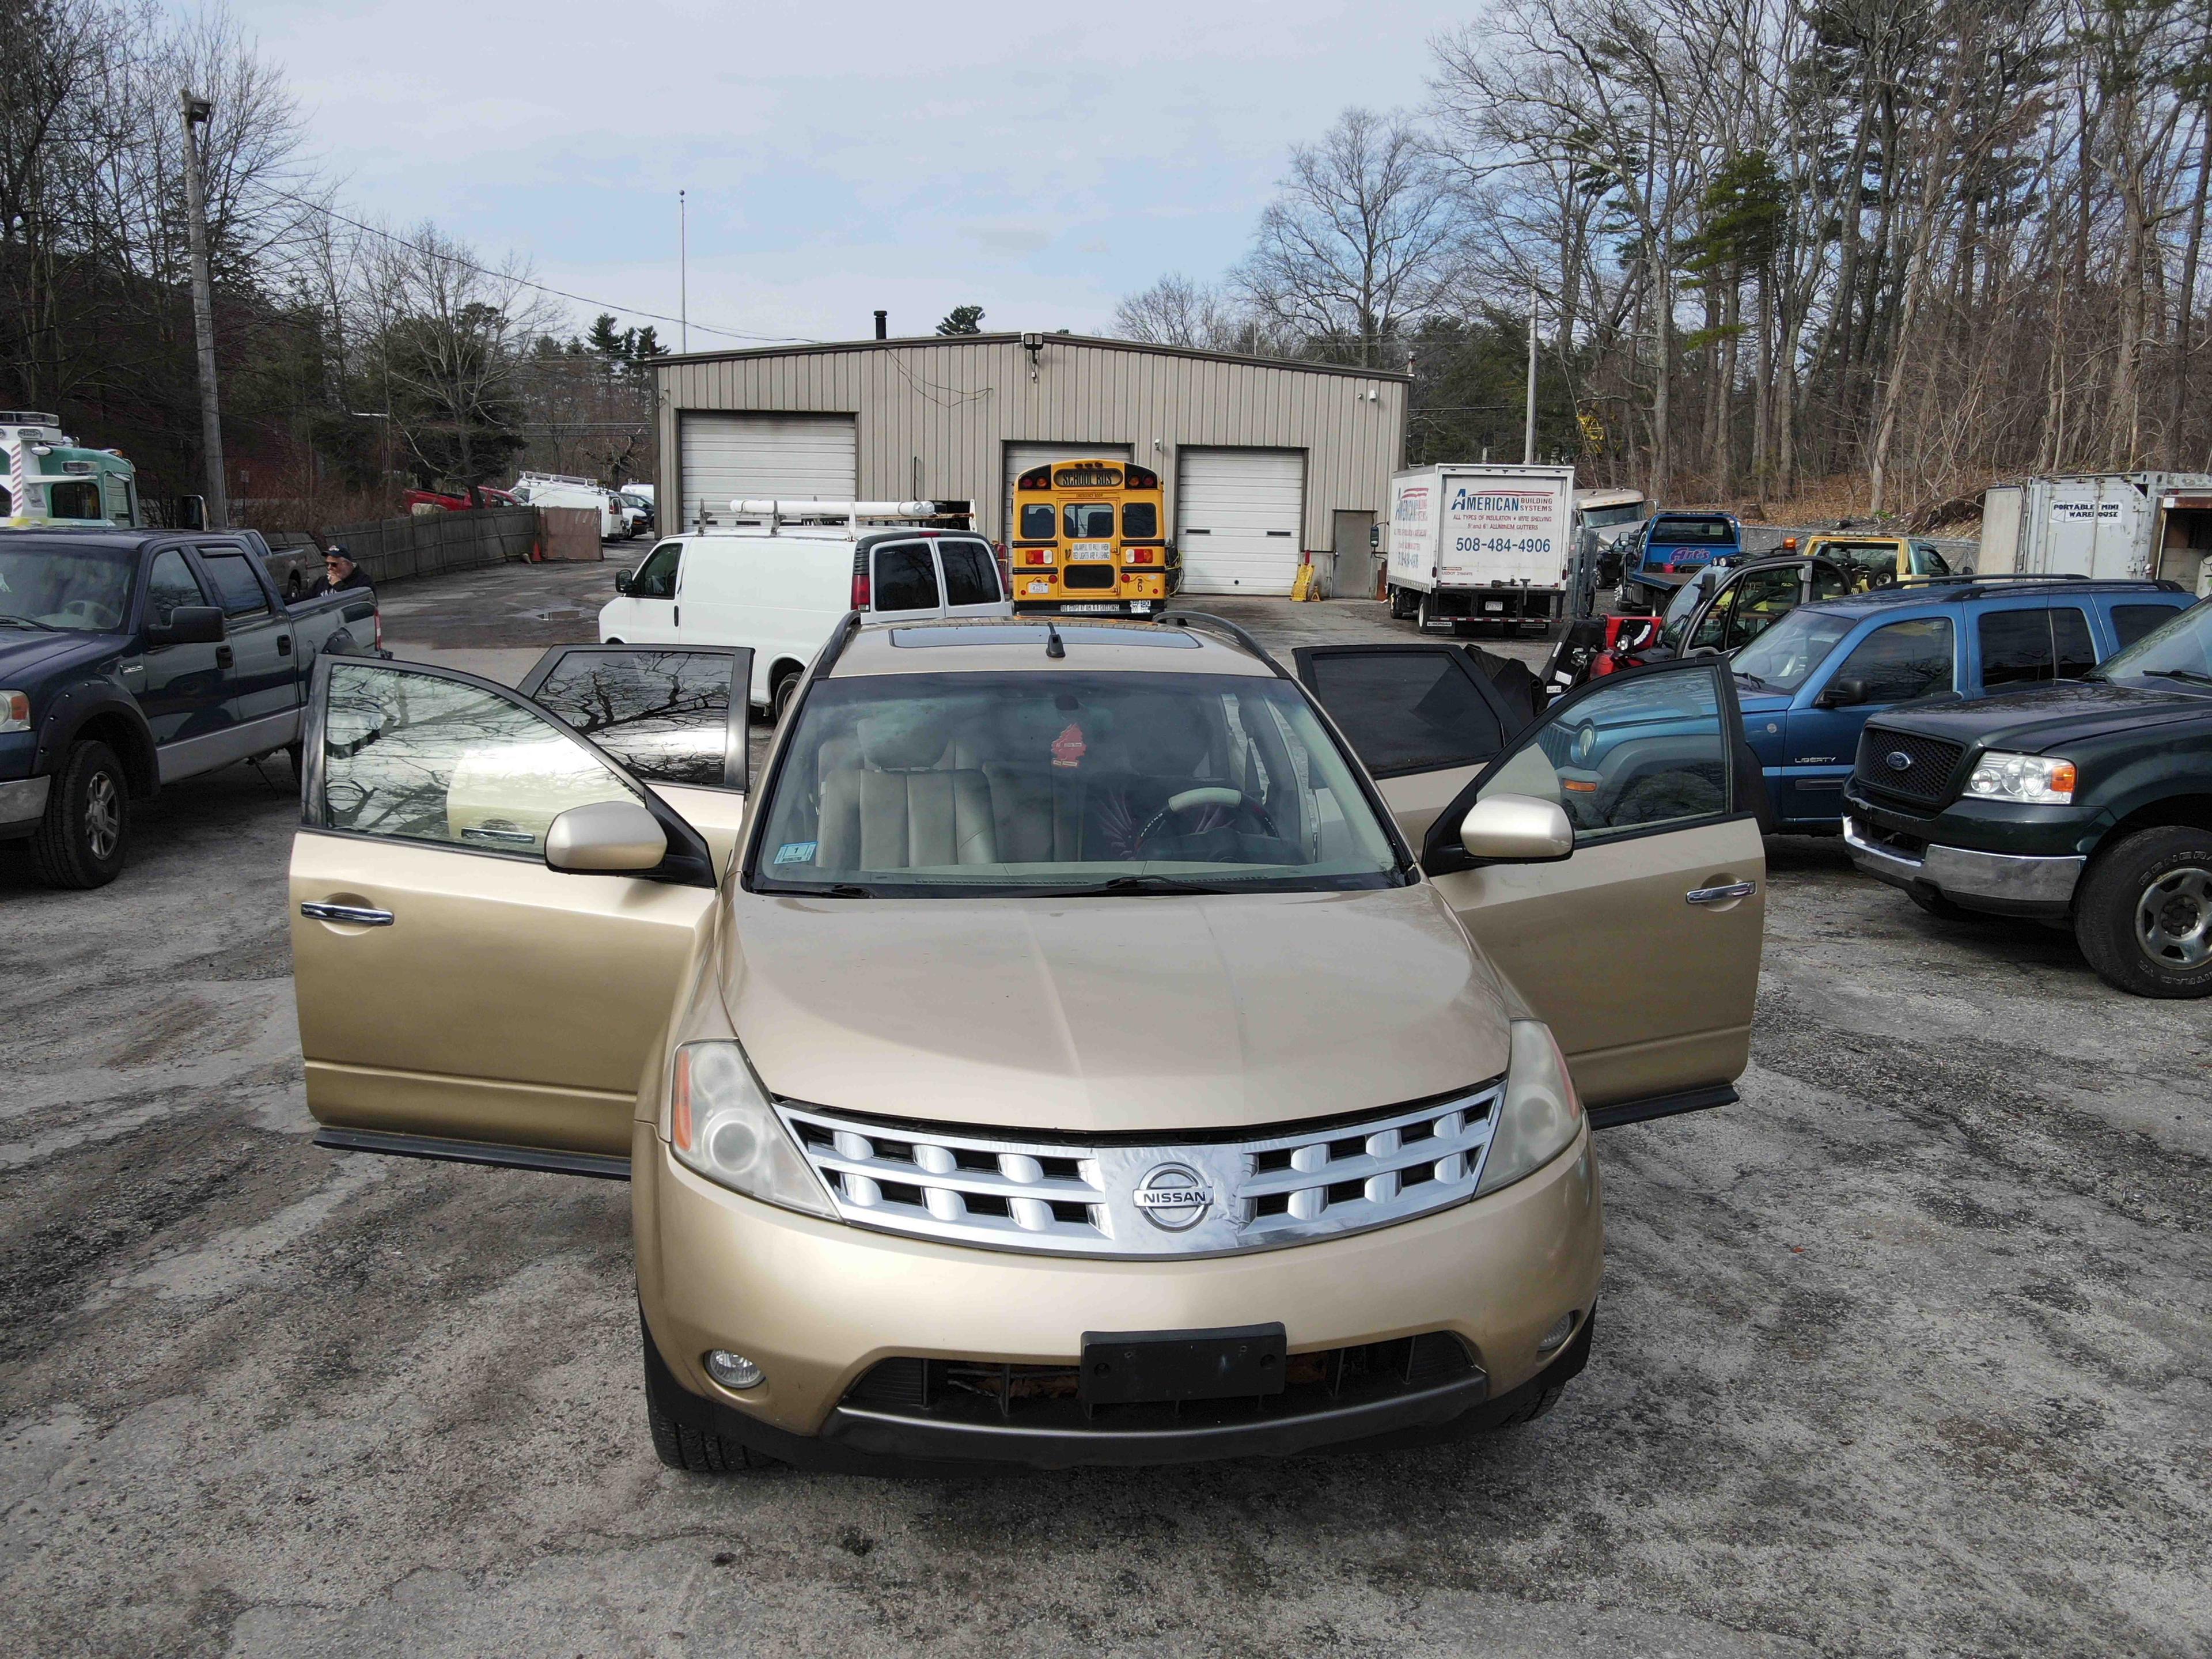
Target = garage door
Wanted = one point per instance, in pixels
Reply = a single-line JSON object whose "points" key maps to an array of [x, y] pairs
{"points": [[1020, 457], [1237, 514], [801, 457]]}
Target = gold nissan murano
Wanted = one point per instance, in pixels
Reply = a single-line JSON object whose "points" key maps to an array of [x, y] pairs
{"points": [[1087, 1042]]}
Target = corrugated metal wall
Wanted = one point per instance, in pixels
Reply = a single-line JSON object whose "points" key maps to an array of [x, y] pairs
{"points": [[957, 405]]}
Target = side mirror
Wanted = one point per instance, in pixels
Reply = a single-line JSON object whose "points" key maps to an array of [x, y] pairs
{"points": [[188, 624], [190, 513], [1516, 829], [608, 836], [621, 580], [1841, 693]]}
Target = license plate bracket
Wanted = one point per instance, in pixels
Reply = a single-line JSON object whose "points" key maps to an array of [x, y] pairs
{"points": [[1144, 1367]]}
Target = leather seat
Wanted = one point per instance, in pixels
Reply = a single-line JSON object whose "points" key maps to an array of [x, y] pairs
{"points": [[898, 809]]}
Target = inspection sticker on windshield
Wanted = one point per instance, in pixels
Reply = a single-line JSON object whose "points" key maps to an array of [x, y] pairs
{"points": [[795, 852], [1068, 748]]}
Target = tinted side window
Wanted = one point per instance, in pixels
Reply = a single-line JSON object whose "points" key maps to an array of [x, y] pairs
{"points": [[1140, 520], [2131, 622], [906, 578], [971, 575], [170, 584], [2023, 647], [239, 593], [1037, 521], [1406, 711], [1642, 751], [664, 714], [1902, 659]]}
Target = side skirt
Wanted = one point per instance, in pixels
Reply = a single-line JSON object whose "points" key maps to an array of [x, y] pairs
{"points": [[475, 1152], [1651, 1106]]}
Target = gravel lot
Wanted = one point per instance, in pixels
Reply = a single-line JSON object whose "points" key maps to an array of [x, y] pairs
{"points": [[1906, 1354]]}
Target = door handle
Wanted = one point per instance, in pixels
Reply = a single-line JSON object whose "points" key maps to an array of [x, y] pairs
{"points": [[283, 644], [223, 656], [675, 612], [360, 915], [1735, 889]]}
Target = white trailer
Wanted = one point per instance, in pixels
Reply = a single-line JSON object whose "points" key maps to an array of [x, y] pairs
{"points": [[1474, 543], [2101, 524]]}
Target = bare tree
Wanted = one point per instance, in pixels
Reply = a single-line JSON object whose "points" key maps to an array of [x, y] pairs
{"points": [[1359, 241]]}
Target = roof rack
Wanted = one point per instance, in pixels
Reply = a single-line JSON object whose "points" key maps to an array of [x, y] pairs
{"points": [[1207, 619], [751, 514]]}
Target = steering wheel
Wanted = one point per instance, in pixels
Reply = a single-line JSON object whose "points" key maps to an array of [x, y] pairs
{"points": [[1208, 795]]}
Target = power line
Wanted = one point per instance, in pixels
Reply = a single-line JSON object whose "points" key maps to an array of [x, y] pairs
{"points": [[524, 282]]}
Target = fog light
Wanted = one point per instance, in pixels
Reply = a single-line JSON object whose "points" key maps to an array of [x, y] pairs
{"points": [[1552, 1342], [734, 1370]]}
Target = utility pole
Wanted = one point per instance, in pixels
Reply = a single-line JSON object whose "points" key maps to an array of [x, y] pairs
{"points": [[198, 112], [684, 268], [1528, 432]]}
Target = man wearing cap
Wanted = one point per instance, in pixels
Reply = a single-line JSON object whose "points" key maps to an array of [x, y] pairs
{"points": [[340, 574]]}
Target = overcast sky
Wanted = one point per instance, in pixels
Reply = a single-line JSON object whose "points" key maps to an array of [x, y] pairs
{"points": [[1038, 160]]}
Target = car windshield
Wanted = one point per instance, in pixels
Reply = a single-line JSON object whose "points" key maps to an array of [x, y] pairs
{"points": [[1780, 659], [80, 588], [1064, 784], [1601, 518], [2178, 652], [1676, 532]]}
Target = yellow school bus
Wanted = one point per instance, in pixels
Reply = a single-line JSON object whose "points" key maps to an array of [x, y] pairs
{"points": [[1088, 539]]}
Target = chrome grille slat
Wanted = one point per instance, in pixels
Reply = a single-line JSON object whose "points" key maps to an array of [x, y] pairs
{"points": [[920, 1187]]}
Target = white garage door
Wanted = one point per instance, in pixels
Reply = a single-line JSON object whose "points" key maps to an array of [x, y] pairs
{"points": [[1020, 457], [802, 457], [1237, 514]]}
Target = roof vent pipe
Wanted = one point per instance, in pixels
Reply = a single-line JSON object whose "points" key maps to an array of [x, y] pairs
{"points": [[883, 326]]}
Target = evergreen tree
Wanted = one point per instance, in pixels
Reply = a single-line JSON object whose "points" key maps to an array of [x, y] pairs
{"points": [[962, 320]]}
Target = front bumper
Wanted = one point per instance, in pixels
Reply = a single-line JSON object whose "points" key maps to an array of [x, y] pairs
{"points": [[22, 803], [2005, 883], [818, 1303]]}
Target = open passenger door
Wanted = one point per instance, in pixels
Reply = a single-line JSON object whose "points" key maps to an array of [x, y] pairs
{"points": [[1639, 942], [460, 995]]}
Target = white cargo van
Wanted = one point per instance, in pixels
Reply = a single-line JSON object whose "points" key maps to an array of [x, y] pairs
{"points": [[780, 578], [1473, 543]]}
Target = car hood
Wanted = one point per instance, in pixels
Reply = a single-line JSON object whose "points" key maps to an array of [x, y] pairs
{"points": [[24, 653], [2048, 716], [1112, 1015]]}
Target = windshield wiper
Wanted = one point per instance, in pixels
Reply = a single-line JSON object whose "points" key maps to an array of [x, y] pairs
{"points": [[1170, 886], [2189, 674], [30, 622], [1743, 674]]}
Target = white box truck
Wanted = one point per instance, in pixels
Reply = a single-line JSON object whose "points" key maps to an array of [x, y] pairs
{"points": [[1480, 543], [2101, 524]]}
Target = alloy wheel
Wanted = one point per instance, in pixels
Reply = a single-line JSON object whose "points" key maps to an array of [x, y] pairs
{"points": [[103, 816]]}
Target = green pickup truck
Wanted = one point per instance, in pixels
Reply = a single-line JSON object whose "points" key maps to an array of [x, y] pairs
{"points": [[2084, 802]]}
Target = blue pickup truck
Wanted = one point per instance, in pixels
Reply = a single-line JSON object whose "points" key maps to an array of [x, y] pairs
{"points": [[131, 658], [1809, 682], [1669, 550]]}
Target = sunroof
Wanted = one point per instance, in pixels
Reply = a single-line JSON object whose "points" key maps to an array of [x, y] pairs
{"points": [[909, 638]]}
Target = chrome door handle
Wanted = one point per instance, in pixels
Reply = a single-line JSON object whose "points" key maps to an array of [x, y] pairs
{"points": [[1735, 889], [359, 915]]}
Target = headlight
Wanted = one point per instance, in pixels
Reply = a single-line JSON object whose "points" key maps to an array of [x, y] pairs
{"points": [[1585, 745], [1540, 1113], [2000, 777], [720, 1123], [14, 711]]}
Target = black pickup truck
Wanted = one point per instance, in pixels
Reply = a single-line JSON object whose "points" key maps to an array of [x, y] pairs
{"points": [[2085, 802], [131, 659]]}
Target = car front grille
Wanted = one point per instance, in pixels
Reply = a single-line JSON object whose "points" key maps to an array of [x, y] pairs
{"points": [[1193, 1196], [1923, 775], [980, 1391]]}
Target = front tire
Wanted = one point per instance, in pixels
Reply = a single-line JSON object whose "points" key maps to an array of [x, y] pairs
{"points": [[2143, 915], [82, 841]]}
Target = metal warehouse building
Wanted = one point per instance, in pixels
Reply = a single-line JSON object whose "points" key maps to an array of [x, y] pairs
{"points": [[1266, 464]]}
